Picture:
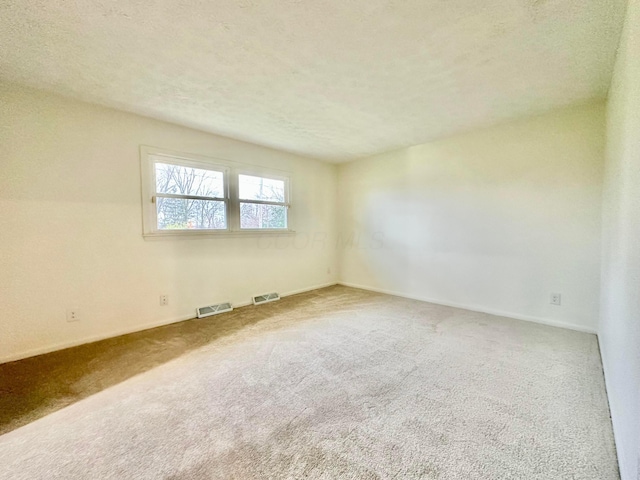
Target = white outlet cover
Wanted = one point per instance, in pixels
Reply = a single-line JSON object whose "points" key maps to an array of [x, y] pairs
{"points": [[556, 299], [73, 315]]}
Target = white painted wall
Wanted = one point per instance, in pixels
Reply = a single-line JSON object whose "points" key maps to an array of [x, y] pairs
{"points": [[619, 330], [70, 227], [495, 220]]}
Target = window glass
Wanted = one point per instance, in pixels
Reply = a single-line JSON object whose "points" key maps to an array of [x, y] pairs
{"points": [[189, 214], [260, 188], [182, 180], [260, 215]]}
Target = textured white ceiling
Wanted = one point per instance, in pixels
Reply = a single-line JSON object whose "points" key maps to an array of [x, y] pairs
{"points": [[331, 79]]}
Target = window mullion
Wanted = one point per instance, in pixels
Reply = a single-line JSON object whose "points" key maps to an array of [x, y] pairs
{"points": [[233, 208]]}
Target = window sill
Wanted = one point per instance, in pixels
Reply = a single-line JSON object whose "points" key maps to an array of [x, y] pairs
{"points": [[220, 234]]}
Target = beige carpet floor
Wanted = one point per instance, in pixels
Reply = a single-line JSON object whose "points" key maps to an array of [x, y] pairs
{"points": [[336, 383]]}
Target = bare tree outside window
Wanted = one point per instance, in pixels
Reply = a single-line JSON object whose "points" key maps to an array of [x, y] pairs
{"points": [[178, 213]]}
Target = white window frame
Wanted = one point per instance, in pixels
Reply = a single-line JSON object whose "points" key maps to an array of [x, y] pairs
{"points": [[230, 169]]}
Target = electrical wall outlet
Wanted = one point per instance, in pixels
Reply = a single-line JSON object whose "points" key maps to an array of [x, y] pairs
{"points": [[556, 299], [164, 300], [73, 315]]}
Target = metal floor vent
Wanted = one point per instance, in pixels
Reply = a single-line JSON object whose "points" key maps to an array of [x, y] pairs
{"points": [[267, 297], [213, 309]]}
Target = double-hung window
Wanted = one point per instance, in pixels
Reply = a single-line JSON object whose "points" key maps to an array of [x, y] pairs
{"points": [[185, 194]]}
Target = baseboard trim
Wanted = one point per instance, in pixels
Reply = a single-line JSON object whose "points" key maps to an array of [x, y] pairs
{"points": [[140, 328], [309, 289], [477, 308], [94, 338]]}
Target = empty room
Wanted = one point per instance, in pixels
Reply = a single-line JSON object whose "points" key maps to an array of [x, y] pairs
{"points": [[277, 239]]}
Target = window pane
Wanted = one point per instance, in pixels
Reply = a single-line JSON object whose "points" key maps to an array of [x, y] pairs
{"points": [[254, 215], [259, 188], [184, 214], [181, 180]]}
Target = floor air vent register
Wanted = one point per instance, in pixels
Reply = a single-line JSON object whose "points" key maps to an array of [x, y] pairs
{"points": [[213, 309], [267, 297]]}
